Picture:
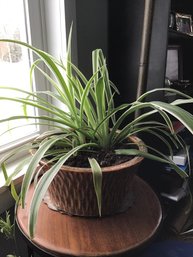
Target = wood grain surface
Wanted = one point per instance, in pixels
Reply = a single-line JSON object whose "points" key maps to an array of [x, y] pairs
{"points": [[65, 235]]}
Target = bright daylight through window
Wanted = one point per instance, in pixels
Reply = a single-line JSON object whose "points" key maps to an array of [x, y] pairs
{"points": [[14, 69]]}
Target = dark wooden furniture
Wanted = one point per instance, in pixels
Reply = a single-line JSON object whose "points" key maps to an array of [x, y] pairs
{"points": [[120, 34], [62, 235]]}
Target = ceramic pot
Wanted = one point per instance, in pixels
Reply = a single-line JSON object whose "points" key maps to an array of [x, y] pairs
{"points": [[72, 190]]}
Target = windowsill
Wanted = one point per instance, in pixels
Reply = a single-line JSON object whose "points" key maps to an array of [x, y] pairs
{"points": [[13, 164], [6, 198], [10, 169]]}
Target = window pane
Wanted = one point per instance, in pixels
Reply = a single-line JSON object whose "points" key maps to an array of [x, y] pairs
{"points": [[14, 67]]}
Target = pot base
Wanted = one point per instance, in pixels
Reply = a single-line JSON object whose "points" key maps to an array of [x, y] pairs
{"points": [[47, 200]]}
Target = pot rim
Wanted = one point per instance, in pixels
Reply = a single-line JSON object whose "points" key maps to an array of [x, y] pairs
{"points": [[134, 161]]}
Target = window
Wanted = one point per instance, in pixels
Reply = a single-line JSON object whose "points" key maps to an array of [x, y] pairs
{"points": [[14, 65], [37, 22]]}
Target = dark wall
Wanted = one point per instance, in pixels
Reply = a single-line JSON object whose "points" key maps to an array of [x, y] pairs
{"points": [[115, 27], [90, 29], [125, 34]]}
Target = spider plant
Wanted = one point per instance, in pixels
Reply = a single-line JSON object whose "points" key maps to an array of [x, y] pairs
{"points": [[7, 229], [88, 120]]}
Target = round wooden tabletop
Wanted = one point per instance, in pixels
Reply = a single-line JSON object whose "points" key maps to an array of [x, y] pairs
{"points": [[62, 235]]}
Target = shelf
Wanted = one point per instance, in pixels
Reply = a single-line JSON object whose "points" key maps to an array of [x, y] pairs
{"points": [[173, 34]]}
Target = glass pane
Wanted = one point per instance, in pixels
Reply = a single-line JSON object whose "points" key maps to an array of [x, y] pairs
{"points": [[14, 67]]}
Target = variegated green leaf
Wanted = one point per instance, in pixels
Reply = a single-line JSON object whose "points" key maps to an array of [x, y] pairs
{"points": [[43, 185], [161, 158], [97, 181]]}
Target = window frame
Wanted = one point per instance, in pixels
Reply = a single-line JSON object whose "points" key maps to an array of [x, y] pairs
{"points": [[49, 34], [41, 23]]}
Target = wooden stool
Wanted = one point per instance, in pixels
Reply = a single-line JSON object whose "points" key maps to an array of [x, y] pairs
{"points": [[62, 235]]}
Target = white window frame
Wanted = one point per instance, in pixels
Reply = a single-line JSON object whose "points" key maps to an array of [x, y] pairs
{"points": [[48, 34]]}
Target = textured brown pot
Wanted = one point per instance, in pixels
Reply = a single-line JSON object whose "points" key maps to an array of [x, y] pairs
{"points": [[72, 189]]}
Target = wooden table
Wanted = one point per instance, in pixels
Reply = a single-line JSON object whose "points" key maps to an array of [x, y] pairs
{"points": [[63, 235]]}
